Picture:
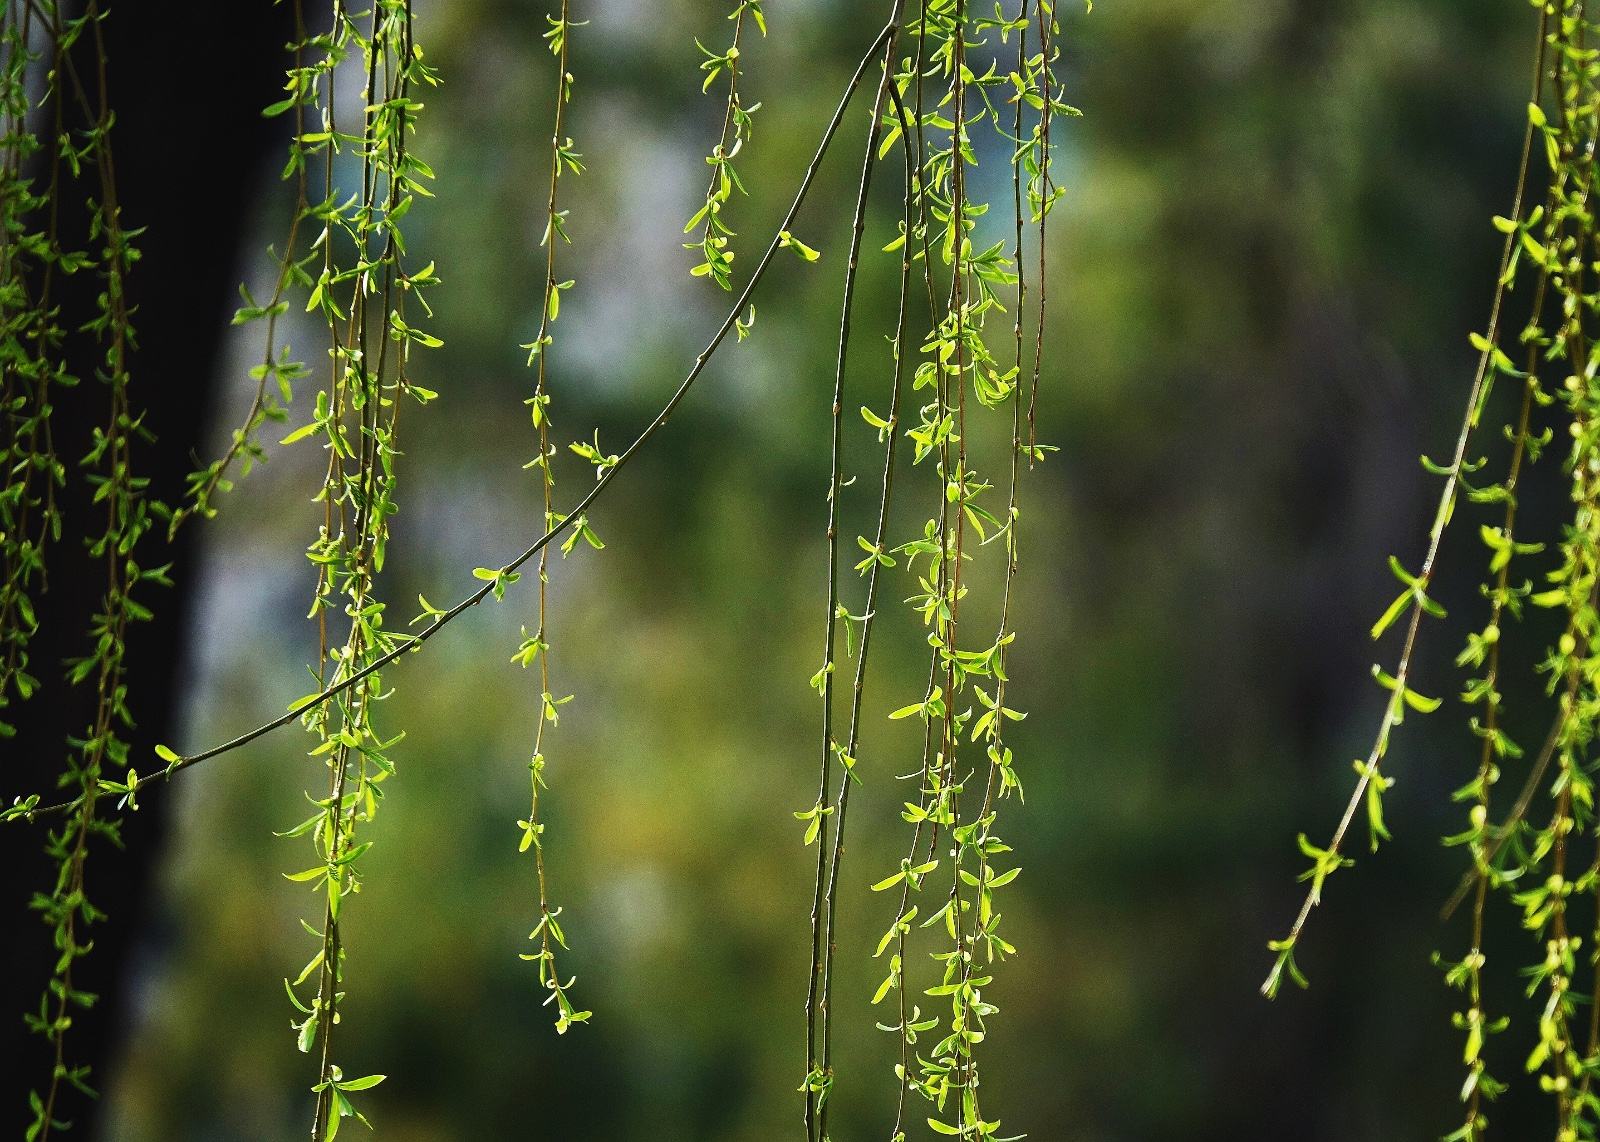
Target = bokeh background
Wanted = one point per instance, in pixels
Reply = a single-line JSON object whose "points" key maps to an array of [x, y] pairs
{"points": [[1274, 242]]}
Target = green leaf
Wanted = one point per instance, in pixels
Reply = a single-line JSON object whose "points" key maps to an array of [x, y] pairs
{"points": [[1283, 964], [790, 242], [1004, 878], [1396, 609], [1419, 703]]}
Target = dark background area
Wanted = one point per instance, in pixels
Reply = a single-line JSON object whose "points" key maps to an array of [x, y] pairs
{"points": [[181, 292], [1274, 242]]}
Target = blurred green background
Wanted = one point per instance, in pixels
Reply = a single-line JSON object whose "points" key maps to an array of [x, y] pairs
{"points": [[1274, 241]]}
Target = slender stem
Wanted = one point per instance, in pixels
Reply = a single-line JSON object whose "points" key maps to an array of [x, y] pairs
{"points": [[958, 377], [1043, 19], [823, 944], [913, 128], [122, 528], [357, 567], [968, 947]]}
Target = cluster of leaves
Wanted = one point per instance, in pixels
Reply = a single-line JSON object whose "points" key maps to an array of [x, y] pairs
{"points": [[57, 141], [355, 278], [30, 337], [1530, 852], [963, 706], [358, 287], [716, 259]]}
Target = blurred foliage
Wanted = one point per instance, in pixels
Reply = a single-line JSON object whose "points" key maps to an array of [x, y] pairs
{"points": [[1275, 239]]}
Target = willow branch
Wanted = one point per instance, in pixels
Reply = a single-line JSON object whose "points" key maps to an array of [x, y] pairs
{"points": [[443, 619], [817, 1007], [1447, 497]]}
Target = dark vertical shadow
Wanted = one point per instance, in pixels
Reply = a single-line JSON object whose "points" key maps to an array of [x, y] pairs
{"points": [[187, 82]]}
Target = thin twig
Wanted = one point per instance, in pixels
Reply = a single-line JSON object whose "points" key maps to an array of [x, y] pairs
{"points": [[817, 1007]]}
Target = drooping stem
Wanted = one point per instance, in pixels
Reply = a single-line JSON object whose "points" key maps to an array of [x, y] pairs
{"points": [[1394, 708], [563, 158], [823, 945], [109, 467], [367, 379]]}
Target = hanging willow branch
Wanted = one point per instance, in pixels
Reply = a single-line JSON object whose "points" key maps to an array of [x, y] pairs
{"points": [[548, 930], [1413, 602], [819, 1075], [30, 257], [357, 421], [958, 359], [356, 279], [716, 258], [124, 513], [1542, 855]]}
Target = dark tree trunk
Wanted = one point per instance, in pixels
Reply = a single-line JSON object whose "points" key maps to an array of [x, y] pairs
{"points": [[187, 82]]}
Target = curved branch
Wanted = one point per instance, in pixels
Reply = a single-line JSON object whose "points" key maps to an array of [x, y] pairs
{"points": [[414, 643]]}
